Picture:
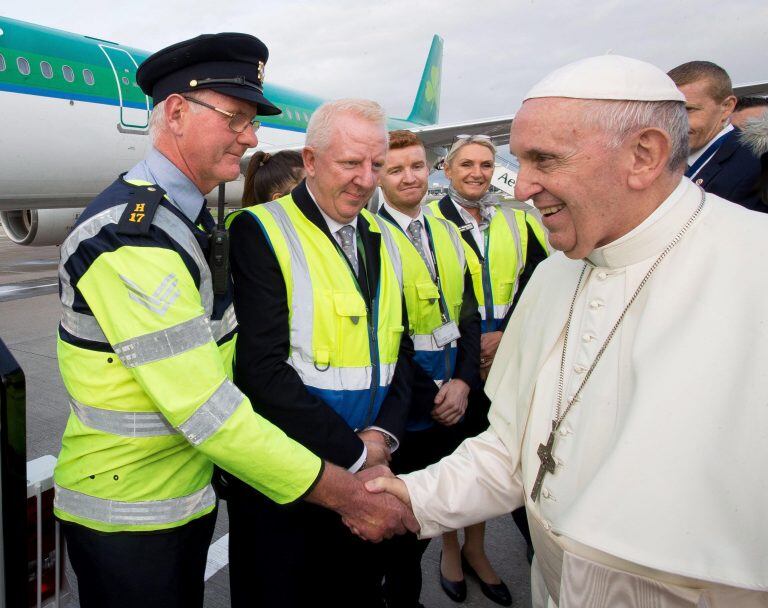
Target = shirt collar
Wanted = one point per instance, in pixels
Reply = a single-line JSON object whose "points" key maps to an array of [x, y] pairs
{"points": [[333, 225], [692, 158], [157, 169], [654, 233], [402, 219]]}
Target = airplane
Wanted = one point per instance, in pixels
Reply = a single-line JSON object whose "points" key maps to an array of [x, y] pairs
{"points": [[76, 118]]}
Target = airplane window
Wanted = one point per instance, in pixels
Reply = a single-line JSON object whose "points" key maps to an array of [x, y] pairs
{"points": [[2, 63], [306, 117], [126, 81], [46, 69], [288, 112], [88, 76], [23, 66], [68, 73]]}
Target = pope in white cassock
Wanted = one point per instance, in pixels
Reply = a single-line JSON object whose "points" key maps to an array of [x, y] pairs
{"points": [[644, 345]]}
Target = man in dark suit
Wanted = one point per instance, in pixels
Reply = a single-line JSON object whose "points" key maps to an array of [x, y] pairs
{"points": [[432, 255], [719, 162], [318, 295]]}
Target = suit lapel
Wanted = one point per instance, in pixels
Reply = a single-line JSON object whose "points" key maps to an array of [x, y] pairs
{"points": [[710, 170]]}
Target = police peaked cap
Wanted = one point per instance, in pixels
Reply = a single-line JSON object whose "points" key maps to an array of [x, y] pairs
{"points": [[229, 63]]}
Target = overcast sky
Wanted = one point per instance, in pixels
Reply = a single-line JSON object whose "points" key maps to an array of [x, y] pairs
{"points": [[494, 50]]}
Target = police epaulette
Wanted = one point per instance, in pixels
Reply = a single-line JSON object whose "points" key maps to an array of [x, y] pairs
{"points": [[142, 204]]}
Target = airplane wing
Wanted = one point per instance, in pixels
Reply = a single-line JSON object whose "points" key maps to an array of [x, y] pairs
{"points": [[749, 89], [443, 135]]}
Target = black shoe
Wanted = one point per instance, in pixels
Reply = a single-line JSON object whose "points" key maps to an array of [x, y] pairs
{"points": [[498, 593], [456, 590]]}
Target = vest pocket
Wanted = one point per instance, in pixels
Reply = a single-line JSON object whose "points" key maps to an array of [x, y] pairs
{"points": [[351, 319]]}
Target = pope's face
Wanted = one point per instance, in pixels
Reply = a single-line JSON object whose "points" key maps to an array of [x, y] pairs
{"points": [[706, 117], [571, 175], [405, 175], [209, 148], [344, 174], [471, 171]]}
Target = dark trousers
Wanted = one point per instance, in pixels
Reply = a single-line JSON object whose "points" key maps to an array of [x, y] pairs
{"points": [[295, 556], [401, 555], [140, 569]]}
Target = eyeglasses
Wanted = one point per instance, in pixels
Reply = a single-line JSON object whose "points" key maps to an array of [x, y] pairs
{"points": [[465, 136], [237, 122]]}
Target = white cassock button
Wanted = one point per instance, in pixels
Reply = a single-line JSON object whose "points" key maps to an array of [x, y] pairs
{"points": [[602, 275], [545, 493], [586, 338], [565, 430], [579, 369], [595, 304], [547, 525]]}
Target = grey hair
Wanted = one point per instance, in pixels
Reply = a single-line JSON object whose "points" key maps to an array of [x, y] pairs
{"points": [[157, 117], [754, 134], [320, 127], [472, 139], [620, 119]]}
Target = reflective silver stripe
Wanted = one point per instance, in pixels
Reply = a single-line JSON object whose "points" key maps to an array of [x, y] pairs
{"points": [[225, 325], [143, 513], [84, 231], [339, 378], [460, 253], [82, 326], [509, 215], [175, 227], [425, 343], [392, 250], [209, 417], [499, 311], [164, 343], [302, 299], [126, 424]]}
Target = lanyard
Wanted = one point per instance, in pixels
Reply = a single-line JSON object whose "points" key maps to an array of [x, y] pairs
{"points": [[708, 153], [444, 312]]}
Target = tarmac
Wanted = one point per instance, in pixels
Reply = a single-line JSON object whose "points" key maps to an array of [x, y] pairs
{"points": [[29, 314]]}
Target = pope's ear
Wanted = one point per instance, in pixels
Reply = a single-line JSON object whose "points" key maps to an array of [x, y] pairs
{"points": [[650, 149]]}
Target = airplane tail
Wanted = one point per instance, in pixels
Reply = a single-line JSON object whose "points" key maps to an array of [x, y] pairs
{"points": [[426, 107]]}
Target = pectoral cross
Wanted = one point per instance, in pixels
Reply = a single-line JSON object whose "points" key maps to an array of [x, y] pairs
{"points": [[547, 464]]}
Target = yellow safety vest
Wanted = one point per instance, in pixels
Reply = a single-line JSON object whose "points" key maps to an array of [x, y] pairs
{"points": [[496, 277], [145, 352], [344, 352], [426, 312]]}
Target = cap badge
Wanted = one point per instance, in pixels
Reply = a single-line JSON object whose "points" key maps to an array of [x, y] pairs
{"points": [[193, 83]]}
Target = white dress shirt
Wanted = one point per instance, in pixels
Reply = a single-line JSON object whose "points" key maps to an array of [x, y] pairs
{"points": [[477, 234]]}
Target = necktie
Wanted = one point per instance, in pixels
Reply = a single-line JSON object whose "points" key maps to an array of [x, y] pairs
{"points": [[347, 235], [414, 232]]}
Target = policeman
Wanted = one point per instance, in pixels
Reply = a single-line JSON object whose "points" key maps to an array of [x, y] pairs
{"points": [[145, 350], [319, 298], [445, 326], [503, 246]]}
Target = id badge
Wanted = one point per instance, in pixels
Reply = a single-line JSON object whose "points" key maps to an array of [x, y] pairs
{"points": [[446, 333]]}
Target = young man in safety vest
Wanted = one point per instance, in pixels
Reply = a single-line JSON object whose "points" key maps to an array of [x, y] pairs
{"points": [[444, 323], [145, 350], [322, 354]]}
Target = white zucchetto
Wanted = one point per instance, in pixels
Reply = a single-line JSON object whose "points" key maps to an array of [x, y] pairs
{"points": [[608, 77]]}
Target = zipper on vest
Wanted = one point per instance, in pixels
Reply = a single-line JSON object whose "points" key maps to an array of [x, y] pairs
{"points": [[373, 347], [486, 273]]}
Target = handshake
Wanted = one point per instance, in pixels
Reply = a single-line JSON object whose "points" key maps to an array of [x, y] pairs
{"points": [[379, 505]]}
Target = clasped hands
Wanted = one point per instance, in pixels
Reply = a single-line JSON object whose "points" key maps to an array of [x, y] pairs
{"points": [[384, 508]]}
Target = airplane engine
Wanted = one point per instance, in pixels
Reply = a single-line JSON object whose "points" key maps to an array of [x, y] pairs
{"points": [[39, 227]]}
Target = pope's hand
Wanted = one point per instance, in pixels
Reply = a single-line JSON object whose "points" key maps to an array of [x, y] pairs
{"points": [[391, 485], [371, 516]]}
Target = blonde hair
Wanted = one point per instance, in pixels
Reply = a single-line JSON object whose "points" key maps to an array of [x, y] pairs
{"points": [[472, 139]]}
